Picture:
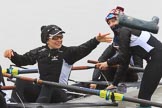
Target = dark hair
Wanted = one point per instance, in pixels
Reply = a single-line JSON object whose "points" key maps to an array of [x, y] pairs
{"points": [[45, 30], [43, 27]]}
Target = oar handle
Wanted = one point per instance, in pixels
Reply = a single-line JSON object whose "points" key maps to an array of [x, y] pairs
{"points": [[95, 62], [92, 61], [7, 87], [137, 69], [82, 67], [15, 71]]}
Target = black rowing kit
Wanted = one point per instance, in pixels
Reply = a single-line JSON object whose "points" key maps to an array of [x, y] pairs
{"points": [[2, 94], [108, 75], [54, 65], [146, 46]]}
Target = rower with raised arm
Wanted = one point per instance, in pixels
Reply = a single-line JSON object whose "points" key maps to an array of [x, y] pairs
{"points": [[54, 60], [141, 43]]}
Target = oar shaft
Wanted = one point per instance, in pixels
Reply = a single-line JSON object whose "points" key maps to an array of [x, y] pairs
{"points": [[7, 87], [94, 62], [137, 69], [92, 82], [141, 101], [102, 93], [27, 71], [73, 68], [77, 89], [73, 88], [82, 67], [19, 77], [17, 71]]}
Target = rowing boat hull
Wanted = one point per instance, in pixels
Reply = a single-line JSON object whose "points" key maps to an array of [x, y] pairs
{"points": [[81, 100], [91, 101], [87, 101], [75, 103]]}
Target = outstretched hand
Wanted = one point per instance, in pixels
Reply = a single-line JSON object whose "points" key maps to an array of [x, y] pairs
{"points": [[93, 86], [8, 53], [104, 37]]}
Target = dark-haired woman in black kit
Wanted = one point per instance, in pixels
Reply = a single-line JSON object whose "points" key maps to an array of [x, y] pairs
{"points": [[140, 43], [54, 61]]}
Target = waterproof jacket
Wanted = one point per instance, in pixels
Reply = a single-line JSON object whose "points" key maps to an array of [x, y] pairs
{"points": [[110, 52], [55, 64], [133, 42]]}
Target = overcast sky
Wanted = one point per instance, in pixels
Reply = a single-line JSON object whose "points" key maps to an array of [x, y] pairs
{"points": [[81, 20]]}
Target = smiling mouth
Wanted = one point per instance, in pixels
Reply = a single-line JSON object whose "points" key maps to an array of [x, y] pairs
{"points": [[58, 44]]}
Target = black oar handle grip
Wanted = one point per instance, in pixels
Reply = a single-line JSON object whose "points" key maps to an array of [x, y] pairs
{"points": [[7, 87], [26, 71]]}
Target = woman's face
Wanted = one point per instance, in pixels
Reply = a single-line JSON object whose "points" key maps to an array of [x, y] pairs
{"points": [[112, 22], [55, 42]]}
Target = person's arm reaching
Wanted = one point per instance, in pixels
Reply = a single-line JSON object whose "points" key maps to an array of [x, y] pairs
{"points": [[28, 58]]}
